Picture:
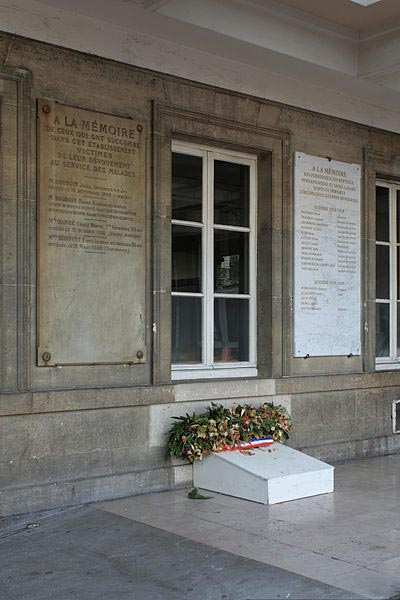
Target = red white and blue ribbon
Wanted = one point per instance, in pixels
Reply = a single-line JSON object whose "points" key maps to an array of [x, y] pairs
{"points": [[249, 445]]}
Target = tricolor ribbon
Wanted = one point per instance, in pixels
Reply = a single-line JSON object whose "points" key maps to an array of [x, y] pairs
{"points": [[249, 445]]}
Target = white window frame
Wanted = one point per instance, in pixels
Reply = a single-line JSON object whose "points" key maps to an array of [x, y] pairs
{"points": [[393, 360], [208, 369]]}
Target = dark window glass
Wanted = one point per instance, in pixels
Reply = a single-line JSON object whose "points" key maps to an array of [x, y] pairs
{"points": [[382, 272], [397, 416], [382, 214], [231, 194], [398, 216], [186, 259], [231, 330], [382, 329], [398, 331], [398, 273], [231, 262], [187, 185], [186, 330]]}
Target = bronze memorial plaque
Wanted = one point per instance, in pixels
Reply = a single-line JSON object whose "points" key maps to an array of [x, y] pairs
{"points": [[91, 280]]}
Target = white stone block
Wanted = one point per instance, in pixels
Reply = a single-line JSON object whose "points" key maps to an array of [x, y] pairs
{"points": [[270, 475]]}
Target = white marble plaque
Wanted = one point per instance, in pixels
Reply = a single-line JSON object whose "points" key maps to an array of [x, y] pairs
{"points": [[326, 257], [91, 218]]}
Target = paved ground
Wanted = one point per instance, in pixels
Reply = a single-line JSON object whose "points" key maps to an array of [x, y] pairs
{"points": [[89, 554], [344, 545]]}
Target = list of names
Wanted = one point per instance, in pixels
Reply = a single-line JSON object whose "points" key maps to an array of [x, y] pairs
{"points": [[327, 257]]}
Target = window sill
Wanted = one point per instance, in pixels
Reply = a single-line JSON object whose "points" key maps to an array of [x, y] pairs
{"points": [[387, 366], [222, 372]]}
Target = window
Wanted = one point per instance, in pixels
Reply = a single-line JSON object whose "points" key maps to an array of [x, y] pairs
{"points": [[396, 416], [213, 263], [387, 274]]}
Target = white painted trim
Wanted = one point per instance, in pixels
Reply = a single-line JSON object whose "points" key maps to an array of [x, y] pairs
{"points": [[188, 294], [209, 263], [241, 158], [232, 296], [187, 223], [231, 228], [393, 360], [210, 155], [253, 266], [393, 272], [386, 364]]}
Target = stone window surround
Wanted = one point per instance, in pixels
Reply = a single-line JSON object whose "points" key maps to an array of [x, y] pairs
{"points": [[271, 147]]}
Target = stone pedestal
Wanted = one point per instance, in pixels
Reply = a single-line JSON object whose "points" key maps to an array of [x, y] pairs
{"points": [[272, 475]]}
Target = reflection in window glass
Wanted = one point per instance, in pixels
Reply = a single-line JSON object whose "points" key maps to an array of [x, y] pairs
{"points": [[398, 273], [186, 330], [382, 272], [231, 262], [231, 193], [382, 214], [398, 328], [186, 259], [382, 329], [398, 213], [231, 330], [187, 185]]}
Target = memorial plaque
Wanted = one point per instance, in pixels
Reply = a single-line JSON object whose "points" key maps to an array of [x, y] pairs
{"points": [[326, 257], [91, 278]]}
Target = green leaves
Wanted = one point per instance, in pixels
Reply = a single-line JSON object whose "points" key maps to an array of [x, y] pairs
{"points": [[195, 495], [194, 436]]}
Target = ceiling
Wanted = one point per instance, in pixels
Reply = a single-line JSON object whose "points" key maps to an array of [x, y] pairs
{"points": [[356, 39], [338, 57], [366, 20]]}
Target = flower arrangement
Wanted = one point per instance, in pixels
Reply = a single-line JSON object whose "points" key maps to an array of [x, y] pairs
{"points": [[195, 436]]}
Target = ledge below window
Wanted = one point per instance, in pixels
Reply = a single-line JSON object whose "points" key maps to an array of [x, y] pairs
{"points": [[387, 366], [222, 372]]}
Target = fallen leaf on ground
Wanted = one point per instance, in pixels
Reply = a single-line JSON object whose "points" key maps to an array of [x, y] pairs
{"points": [[195, 495]]}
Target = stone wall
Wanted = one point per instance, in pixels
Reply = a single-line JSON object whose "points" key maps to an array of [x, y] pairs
{"points": [[82, 433]]}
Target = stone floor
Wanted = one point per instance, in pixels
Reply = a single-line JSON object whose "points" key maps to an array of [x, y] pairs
{"points": [[90, 554], [349, 539], [344, 545]]}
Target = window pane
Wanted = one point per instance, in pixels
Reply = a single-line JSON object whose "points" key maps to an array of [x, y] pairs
{"points": [[231, 330], [398, 216], [382, 214], [398, 328], [187, 185], [398, 273], [231, 193], [382, 272], [186, 330], [231, 262], [382, 329], [186, 259]]}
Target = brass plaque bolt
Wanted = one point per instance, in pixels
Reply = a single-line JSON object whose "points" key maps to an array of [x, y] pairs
{"points": [[46, 108], [46, 356], [139, 354]]}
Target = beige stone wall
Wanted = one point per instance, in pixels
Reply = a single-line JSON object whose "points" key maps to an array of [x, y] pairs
{"points": [[81, 433]]}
